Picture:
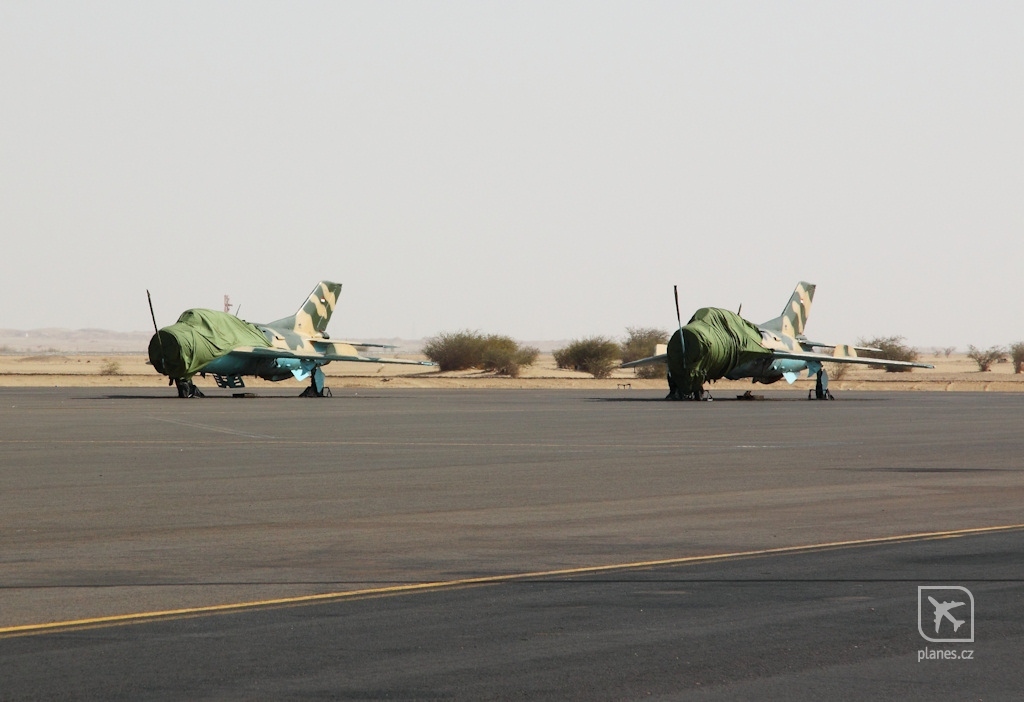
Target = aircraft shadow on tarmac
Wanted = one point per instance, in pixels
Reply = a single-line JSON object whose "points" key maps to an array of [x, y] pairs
{"points": [[245, 396], [727, 398], [901, 469], [359, 396]]}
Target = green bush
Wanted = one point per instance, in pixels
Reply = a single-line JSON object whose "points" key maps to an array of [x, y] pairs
{"points": [[596, 355], [1017, 356], [892, 348], [985, 358], [641, 342], [466, 349], [459, 350], [505, 356], [651, 371]]}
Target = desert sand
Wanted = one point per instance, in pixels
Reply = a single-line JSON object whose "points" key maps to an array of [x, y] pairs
{"points": [[56, 369]]}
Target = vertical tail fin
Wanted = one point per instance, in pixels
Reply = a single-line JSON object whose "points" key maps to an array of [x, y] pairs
{"points": [[794, 316], [315, 313]]}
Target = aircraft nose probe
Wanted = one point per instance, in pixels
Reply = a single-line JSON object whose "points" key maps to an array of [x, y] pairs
{"points": [[156, 332], [679, 319], [674, 392]]}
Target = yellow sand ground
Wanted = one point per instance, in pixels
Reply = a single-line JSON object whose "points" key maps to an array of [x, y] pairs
{"points": [[956, 373]]}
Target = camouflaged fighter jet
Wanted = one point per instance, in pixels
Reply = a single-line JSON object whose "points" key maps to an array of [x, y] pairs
{"points": [[207, 341], [717, 343]]}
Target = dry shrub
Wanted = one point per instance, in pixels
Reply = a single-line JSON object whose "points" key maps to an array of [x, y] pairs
{"points": [[892, 348], [837, 371], [985, 358], [110, 368], [459, 350], [1017, 356], [651, 371], [596, 355], [641, 342], [467, 349], [505, 356]]}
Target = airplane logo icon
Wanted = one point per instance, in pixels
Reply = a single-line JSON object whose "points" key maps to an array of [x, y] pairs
{"points": [[940, 601], [942, 611]]}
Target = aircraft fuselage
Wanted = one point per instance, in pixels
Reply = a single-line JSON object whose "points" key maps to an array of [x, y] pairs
{"points": [[721, 344], [276, 369]]}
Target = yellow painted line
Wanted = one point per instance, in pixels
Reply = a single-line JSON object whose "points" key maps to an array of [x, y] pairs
{"points": [[26, 629]]}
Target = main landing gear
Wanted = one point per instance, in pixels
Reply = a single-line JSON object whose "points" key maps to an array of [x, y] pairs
{"points": [[702, 396], [676, 393], [821, 391], [186, 388], [316, 385]]}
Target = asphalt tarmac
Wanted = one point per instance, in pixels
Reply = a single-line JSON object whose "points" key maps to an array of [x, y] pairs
{"points": [[419, 544]]}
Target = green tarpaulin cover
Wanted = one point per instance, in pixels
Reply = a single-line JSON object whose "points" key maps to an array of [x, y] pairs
{"points": [[198, 337], [716, 341]]}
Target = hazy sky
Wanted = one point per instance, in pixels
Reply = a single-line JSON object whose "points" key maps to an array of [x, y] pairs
{"points": [[546, 170]]}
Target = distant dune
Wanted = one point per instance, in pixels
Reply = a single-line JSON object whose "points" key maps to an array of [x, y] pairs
{"points": [[75, 341], [37, 341], [72, 341]]}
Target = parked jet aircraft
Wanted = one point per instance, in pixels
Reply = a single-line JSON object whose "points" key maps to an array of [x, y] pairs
{"points": [[717, 343], [206, 341]]}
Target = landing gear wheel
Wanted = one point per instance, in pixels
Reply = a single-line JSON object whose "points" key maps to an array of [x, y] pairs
{"points": [[676, 392], [186, 388], [821, 391], [700, 396], [312, 392], [316, 386], [673, 389]]}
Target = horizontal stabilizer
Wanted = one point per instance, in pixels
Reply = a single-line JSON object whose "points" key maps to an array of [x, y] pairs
{"points": [[660, 358]]}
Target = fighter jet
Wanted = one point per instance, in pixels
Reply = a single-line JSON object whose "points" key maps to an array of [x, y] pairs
{"points": [[717, 343], [942, 610], [206, 341]]}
